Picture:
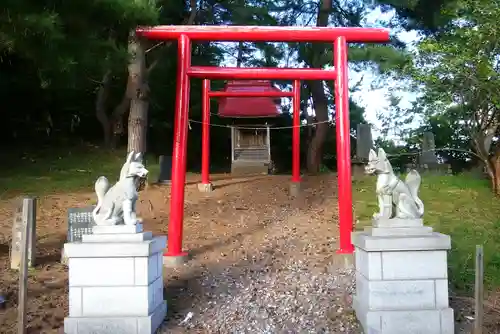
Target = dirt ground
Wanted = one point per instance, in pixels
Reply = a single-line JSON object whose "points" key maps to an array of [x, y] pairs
{"points": [[243, 225]]}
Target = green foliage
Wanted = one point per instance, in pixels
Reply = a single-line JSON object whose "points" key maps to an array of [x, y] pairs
{"points": [[384, 58], [460, 65], [70, 37], [455, 72], [424, 15]]}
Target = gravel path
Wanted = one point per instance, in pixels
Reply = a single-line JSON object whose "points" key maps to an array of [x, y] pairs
{"points": [[291, 301], [283, 278]]}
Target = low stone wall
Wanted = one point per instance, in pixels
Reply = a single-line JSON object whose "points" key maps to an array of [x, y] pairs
{"points": [[441, 169], [244, 168]]}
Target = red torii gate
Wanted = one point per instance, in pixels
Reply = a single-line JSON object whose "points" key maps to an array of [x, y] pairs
{"points": [[185, 34]]}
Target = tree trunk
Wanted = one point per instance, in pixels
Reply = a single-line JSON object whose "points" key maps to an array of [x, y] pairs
{"points": [[139, 100], [117, 118], [482, 144], [137, 91], [112, 125], [320, 102], [100, 108], [493, 169], [137, 125], [239, 58]]}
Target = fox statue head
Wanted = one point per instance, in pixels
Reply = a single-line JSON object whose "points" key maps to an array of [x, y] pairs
{"points": [[134, 167], [378, 163]]}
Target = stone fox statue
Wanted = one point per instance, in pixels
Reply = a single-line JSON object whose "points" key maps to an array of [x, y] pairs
{"points": [[116, 204], [395, 198]]}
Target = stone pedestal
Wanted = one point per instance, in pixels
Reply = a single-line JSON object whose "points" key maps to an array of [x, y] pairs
{"points": [[294, 189], [115, 282], [401, 279], [358, 168], [205, 187]]}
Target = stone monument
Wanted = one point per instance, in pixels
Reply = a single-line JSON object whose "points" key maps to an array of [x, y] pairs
{"points": [[428, 149], [116, 273], [165, 176], [364, 143], [401, 265], [24, 214], [427, 160]]}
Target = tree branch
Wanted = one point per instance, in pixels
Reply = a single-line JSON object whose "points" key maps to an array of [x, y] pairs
{"points": [[188, 21]]}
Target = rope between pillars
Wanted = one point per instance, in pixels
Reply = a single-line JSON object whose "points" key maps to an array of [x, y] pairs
{"points": [[260, 128]]}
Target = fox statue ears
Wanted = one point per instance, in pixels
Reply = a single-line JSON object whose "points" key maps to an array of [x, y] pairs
{"points": [[372, 155], [381, 154], [132, 156]]}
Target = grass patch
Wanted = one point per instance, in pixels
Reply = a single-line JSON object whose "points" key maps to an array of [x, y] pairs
{"points": [[460, 206], [49, 171]]}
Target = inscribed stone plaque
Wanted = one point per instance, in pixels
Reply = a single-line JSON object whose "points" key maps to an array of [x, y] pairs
{"points": [[80, 222], [428, 149], [24, 214], [165, 169], [364, 141]]}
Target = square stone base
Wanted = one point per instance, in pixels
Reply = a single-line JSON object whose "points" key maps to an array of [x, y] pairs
{"points": [[402, 280], [294, 189], [205, 187], [440, 321], [117, 325]]}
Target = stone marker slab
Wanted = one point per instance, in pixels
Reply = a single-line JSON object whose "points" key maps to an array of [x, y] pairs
{"points": [[428, 149], [364, 141], [165, 176], [80, 222], [24, 213]]}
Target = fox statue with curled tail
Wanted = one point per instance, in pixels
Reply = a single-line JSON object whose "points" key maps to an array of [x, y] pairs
{"points": [[396, 199], [116, 204]]}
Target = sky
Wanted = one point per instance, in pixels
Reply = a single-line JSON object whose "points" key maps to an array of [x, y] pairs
{"points": [[374, 100]]}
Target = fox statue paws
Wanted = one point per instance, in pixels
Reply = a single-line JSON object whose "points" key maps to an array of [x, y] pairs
{"points": [[133, 221]]}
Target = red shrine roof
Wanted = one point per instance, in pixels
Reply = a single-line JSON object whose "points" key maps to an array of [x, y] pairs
{"points": [[248, 107]]}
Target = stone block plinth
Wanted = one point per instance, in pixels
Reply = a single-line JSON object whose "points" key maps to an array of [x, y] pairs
{"points": [[205, 187], [294, 189], [115, 282], [402, 279]]}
